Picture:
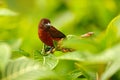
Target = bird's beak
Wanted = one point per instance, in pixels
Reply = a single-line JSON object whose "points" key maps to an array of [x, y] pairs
{"points": [[48, 25]]}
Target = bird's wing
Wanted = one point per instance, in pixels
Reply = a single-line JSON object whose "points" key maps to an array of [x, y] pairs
{"points": [[56, 33]]}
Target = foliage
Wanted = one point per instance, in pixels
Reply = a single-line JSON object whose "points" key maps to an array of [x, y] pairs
{"points": [[95, 57]]}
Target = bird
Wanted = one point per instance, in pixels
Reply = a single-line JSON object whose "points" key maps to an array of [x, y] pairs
{"points": [[49, 34]]}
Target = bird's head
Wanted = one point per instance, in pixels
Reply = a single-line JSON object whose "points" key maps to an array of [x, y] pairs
{"points": [[45, 23]]}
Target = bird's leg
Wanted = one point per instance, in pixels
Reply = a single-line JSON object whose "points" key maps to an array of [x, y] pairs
{"points": [[51, 50], [47, 50]]}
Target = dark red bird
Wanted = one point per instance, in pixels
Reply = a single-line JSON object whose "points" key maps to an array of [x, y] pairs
{"points": [[48, 34]]}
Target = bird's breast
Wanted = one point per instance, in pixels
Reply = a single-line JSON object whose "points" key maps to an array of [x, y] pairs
{"points": [[45, 37]]}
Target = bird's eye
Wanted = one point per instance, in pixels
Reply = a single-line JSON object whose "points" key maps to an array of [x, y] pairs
{"points": [[47, 25]]}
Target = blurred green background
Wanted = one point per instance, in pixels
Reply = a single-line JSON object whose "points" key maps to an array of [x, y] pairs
{"points": [[19, 19]]}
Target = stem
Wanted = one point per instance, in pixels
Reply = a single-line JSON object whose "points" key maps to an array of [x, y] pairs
{"points": [[43, 60], [97, 76], [100, 72], [43, 50]]}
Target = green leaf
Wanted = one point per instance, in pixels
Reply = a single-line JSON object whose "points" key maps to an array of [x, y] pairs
{"points": [[114, 66], [86, 62], [116, 76], [86, 57], [63, 69], [77, 74], [87, 44], [49, 61], [113, 32], [77, 56], [4, 55], [103, 57], [19, 53], [111, 55], [87, 70], [25, 69]]}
